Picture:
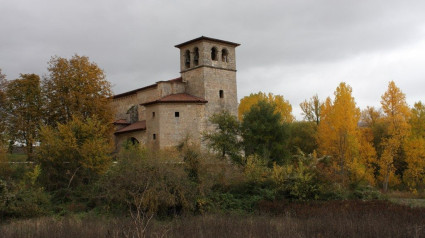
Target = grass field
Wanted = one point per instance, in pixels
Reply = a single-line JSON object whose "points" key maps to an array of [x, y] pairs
{"points": [[273, 219]]}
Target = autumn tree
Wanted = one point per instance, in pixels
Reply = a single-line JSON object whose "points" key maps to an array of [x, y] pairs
{"points": [[24, 106], [311, 109], [338, 134], [264, 134], [2, 114], [74, 153], [417, 120], [397, 114], [414, 149], [225, 138], [76, 87], [282, 106]]}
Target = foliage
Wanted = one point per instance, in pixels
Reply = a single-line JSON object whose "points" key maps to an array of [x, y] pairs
{"points": [[76, 87], [303, 136], [312, 109], [397, 114], [338, 134], [141, 181], [417, 120], [75, 153], [282, 106], [225, 139], [264, 134], [20, 194], [3, 109], [24, 110], [414, 175], [298, 180]]}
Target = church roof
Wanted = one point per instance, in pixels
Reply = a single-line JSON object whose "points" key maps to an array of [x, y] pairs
{"points": [[207, 38], [137, 126], [176, 80], [121, 122], [177, 98]]}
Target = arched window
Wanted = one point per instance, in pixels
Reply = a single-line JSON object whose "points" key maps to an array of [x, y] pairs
{"points": [[196, 56], [187, 59], [214, 53], [224, 55], [133, 141]]}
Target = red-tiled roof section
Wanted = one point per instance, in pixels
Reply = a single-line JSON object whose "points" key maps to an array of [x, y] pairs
{"points": [[207, 38], [121, 122], [144, 88], [176, 98], [137, 126]]}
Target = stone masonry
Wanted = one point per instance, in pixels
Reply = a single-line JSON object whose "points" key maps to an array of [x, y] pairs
{"points": [[165, 113]]}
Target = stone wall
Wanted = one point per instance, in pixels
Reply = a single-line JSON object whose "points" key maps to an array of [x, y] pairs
{"points": [[171, 130]]}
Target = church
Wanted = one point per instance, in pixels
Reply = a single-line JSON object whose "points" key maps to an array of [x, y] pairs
{"points": [[163, 114]]}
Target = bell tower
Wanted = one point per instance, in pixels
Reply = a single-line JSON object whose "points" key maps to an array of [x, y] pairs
{"points": [[208, 66]]}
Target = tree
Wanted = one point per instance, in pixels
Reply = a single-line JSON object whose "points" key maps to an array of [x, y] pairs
{"points": [[24, 102], [303, 136], [75, 153], [311, 109], [225, 139], [417, 120], [282, 106], [264, 134], [338, 134], [397, 114], [76, 87], [2, 108], [414, 175]]}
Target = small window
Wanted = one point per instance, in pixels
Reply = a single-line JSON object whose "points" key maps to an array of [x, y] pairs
{"points": [[153, 114], [196, 57], [176, 114], [214, 53], [225, 55], [154, 136], [221, 93], [187, 59]]}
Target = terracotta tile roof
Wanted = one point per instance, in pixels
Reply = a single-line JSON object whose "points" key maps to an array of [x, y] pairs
{"points": [[177, 98], [137, 126], [144, 88], [121, 122], [209, 39]]}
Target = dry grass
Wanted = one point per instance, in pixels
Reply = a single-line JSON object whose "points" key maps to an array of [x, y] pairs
{"points": [[319, 219]]}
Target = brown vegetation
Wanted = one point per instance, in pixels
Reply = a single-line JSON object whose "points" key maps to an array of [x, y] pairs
{"points": [[277, 219]]}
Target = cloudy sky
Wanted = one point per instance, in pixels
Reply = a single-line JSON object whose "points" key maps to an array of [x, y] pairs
{"points": [[293, 48]]}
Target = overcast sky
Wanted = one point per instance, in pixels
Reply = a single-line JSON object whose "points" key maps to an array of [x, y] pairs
{"points": [[295, 48]]}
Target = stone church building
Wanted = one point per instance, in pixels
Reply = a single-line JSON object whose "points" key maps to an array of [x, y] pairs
{"points": [[163, 114]]}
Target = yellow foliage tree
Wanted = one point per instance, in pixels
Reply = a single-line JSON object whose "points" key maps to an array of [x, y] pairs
{"points": [[311, 109], [397, 114], [338, 134], [76, 87], [283, 107], [74, 153], [414, 175], [417, 120]]}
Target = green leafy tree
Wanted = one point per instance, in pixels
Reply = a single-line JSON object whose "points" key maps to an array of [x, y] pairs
{"points": [[303, 137], [75, 153], [264, 134], [24, 105], [225, 139], [76, 87]]}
